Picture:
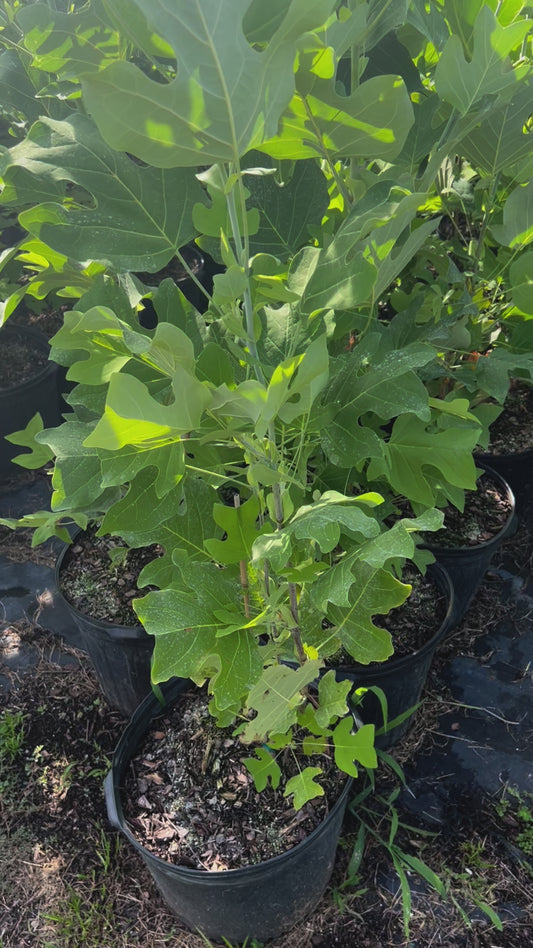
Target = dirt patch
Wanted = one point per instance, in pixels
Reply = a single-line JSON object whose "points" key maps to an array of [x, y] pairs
{"points": [[68, 880]]}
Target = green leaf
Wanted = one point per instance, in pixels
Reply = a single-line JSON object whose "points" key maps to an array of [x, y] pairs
{"points": [[66, 43], [303, 787], [426, 873], [384, 384], [325, 519], [226, 98], [18, 92], [138, 512], [77, 479], [133, 416], [240, 526], [517, 227], [351, 747], [499, 366], [287, 210], [371, 122], [184, 624], [181, 526], [276, 697], [39, 454], [296, 383], [382, 18], [346, 443], [263, 769], [123, 465], [521, 279], [371, 592], [368, 251], [463, 83], [332, 695], [398, 541], [501, 140], [418, 462], [136, 218], [44, 525], [109, 342]]}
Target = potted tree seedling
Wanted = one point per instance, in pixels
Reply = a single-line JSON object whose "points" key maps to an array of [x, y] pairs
{"points": [[225, 123]]}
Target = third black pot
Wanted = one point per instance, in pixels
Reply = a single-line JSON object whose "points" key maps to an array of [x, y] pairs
{"points": [[467, 565]]}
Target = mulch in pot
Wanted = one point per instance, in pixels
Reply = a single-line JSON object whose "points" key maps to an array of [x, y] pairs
{"points": [[22, 360], [485, 513], [410, 625], [48, 320], [98, 587], [512, 432], [190, 800]]}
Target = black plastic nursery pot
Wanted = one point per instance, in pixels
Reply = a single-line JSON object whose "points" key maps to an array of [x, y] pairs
{"points": [[259, 901], [467, 565], [19, 403], [121, 655], [401, 679]]}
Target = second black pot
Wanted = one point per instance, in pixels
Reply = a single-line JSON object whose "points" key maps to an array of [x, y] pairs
{"points": [[121, 655]]}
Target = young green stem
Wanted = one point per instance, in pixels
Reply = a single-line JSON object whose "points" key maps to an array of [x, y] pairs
{"points": [[343, 191], [242, 251], [295, 631], [485, 222], [243, 572]]}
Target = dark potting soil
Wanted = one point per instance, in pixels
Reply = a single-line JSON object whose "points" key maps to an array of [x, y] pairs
{"points": [[174, 269], [412, 624], [49, 321], [419, 618], [22, 360], [99, 585], [512, 432], [485, 513], [190, 799]]}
